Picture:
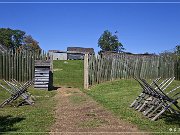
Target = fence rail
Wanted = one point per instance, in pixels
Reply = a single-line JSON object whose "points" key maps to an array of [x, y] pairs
{"points": [[103, 68], [19, 65]]}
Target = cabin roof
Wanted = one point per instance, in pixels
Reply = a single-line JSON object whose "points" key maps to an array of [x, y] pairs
{"points": [[80, 50]]}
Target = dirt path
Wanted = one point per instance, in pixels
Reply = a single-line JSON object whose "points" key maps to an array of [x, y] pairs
{"points": [[77, 113]]}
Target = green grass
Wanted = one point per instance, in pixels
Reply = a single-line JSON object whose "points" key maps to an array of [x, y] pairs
{"points": [[39, 117], [68, 73], [115, 96], [36, 118], [118, 95]]}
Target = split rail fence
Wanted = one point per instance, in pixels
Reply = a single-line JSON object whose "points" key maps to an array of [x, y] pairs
{"points": [[19, 65], [109, 67]]}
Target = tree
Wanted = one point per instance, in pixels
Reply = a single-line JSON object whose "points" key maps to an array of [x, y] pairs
{"points": [[11, 38], [18, 40], [31, 44], [109, 42], [177, 50]]}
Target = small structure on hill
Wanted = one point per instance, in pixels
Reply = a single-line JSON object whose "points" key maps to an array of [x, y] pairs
{"points": [[58, 54], [72, 53], [43, 74], [77, 53]]}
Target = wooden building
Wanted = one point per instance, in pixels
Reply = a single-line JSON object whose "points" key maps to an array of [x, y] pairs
{"points": [[43, 74], [72, 53], [58, 54], [77, 53]]}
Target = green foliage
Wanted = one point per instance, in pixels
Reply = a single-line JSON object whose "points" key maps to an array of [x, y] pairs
{"points": [[117, 96], [109, 42], [177, 50], [18, 40], [11, 38], [31, 44]]}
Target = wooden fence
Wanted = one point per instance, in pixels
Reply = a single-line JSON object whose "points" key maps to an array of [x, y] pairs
{"points": [[123, 66], [177, 67], [19, 65]]}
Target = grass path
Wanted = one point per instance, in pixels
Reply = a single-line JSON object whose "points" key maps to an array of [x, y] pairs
{"points": [[77, 112]]}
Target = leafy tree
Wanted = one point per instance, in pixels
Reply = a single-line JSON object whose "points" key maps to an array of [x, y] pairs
{"points": [[30, 44], [11, 38], [17, 40], [177, 50], [109, 42]]}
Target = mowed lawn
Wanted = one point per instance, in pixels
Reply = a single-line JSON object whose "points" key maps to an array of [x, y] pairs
{"points": [[118, 95], [36, 118], [40, 116], [68, 73]]}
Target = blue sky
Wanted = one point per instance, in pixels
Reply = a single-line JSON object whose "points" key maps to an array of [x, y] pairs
{"points": [[142, 27]]}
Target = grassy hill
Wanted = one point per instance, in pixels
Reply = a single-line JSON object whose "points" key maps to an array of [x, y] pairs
{"points": [[68, 73]]}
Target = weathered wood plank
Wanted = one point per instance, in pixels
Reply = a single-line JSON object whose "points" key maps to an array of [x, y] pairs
{"points": [[42, 80], [41, 86], [41, 83], [115, 66]]}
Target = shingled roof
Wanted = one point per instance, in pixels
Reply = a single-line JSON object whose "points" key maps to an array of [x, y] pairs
{"points": [[3, 48], [81, 50]]}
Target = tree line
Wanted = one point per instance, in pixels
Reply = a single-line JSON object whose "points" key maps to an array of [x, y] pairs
{"points": [[18, 40]]}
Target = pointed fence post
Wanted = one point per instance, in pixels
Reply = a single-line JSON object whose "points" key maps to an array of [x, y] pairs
{"points": [[86, 80]]}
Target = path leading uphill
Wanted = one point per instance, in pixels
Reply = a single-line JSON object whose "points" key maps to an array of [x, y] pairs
{"points": [[77, 113]]}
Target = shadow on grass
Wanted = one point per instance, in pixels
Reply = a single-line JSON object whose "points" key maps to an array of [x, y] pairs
{"points": [[7, 123], [172, 119], [54, 88]]}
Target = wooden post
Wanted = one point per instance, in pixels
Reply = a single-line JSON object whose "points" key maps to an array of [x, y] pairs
{"points": [[86, 77]]}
